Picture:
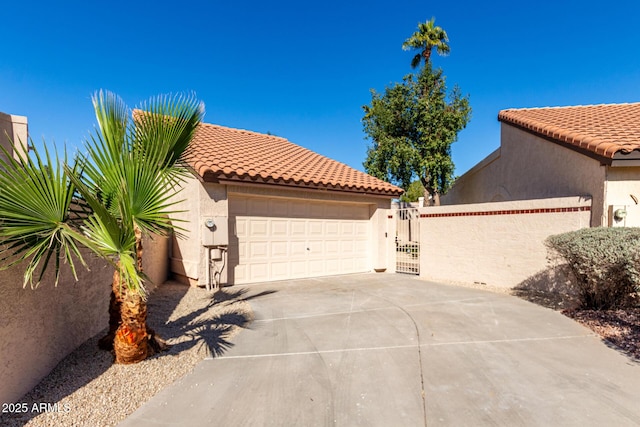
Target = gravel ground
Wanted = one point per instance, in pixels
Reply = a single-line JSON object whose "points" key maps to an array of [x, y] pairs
{"points": [[619, 329], [90, 390]]}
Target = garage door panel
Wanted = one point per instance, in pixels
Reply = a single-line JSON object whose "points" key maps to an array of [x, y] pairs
{"points": [[332, 266], [279, 228], [279, 249], [347, 229], [332, 247], [360, 246], [258, 228], [360, 264], [346, 247], [315, 248], [298, 247], [332, 228], [362, 229], [298, 268], [279, 238], [298, 228], [240, 273], [316, 228], [259, 272], [316, 267], [280, 270], [258, 249]]}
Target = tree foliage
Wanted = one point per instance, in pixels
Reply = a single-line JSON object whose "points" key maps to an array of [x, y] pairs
{"points": [[413, 192], [428, 36], [412, 126]]}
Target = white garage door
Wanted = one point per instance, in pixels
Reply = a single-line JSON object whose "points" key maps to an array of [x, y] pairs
{"points": [[276, 239]]}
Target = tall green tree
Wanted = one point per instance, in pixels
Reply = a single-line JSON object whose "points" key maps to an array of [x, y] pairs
{"points": [[105, 201], [427, 37], [412, 126]]}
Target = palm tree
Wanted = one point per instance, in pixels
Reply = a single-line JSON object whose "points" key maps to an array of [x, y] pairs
{"points": [[425, 39], [105, 201]]}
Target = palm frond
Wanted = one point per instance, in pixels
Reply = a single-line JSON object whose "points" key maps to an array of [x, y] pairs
{"points": [[36, 224], [165, 126]]}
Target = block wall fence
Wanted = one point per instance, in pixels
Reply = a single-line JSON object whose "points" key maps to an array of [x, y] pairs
{"points": [[499, 244]]}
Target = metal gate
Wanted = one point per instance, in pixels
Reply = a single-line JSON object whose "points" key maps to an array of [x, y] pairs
{"points": [[408, 241]]}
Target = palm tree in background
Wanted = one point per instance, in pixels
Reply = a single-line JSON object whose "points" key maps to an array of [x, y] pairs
{"points": [[106, 201], [425, 39]]}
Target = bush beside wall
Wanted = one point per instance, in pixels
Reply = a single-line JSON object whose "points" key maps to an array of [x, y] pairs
{"points": [[605, 264]]}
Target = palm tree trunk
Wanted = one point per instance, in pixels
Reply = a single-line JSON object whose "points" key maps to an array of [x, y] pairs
{"points": [[131, 343], [426, 54]]}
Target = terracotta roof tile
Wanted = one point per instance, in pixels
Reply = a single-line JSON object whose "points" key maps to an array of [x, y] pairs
{"points": [[222, 153], [604, 129]]}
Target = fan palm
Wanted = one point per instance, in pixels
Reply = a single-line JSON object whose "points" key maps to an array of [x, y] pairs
{"points": [[425, 39], [124, 187]]}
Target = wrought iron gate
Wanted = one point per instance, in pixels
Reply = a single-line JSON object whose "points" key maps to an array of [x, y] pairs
{"points": [[408, 241]]}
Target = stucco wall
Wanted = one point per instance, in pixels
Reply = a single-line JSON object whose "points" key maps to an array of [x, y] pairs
{"points": [[529, 167], [13, 128], [39, 327], [185, 249], [499, 244]]}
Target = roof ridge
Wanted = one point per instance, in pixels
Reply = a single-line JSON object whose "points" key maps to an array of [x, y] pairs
{"points": [[250, 132], [556, 107]]}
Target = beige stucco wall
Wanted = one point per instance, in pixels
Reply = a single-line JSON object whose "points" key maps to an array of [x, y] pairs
{"points": [[498, 249], [13, 128], [39, 327], [197, 201], [528, 167]]}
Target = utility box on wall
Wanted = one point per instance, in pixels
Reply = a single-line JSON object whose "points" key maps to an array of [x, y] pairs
{"points": [[624, 215], [216, 231]]}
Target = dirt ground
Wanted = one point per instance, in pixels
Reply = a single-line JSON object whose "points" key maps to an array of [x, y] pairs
{"points": [[620, 329]]}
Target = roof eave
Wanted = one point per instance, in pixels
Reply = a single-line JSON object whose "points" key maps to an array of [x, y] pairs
{"points": [[220, 178], [628, 159]]}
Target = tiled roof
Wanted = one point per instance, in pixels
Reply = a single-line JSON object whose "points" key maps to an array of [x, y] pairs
{"points": [[222, 153], [605, 130]]}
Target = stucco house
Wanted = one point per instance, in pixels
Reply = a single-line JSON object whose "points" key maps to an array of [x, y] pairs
{"points": [[260, 208], [591, 150]]}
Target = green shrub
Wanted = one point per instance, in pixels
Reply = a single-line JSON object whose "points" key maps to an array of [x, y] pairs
{"points": [[605, 264]]}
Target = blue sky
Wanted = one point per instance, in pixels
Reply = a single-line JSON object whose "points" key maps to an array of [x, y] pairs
{"points": [[303, 70]]}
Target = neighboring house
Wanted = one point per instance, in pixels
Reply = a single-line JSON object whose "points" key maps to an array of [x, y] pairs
{"points": [[589, 150], [269, 209]]}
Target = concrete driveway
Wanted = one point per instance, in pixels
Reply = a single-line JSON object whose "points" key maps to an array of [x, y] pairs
{"points": [[393, 350]]}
